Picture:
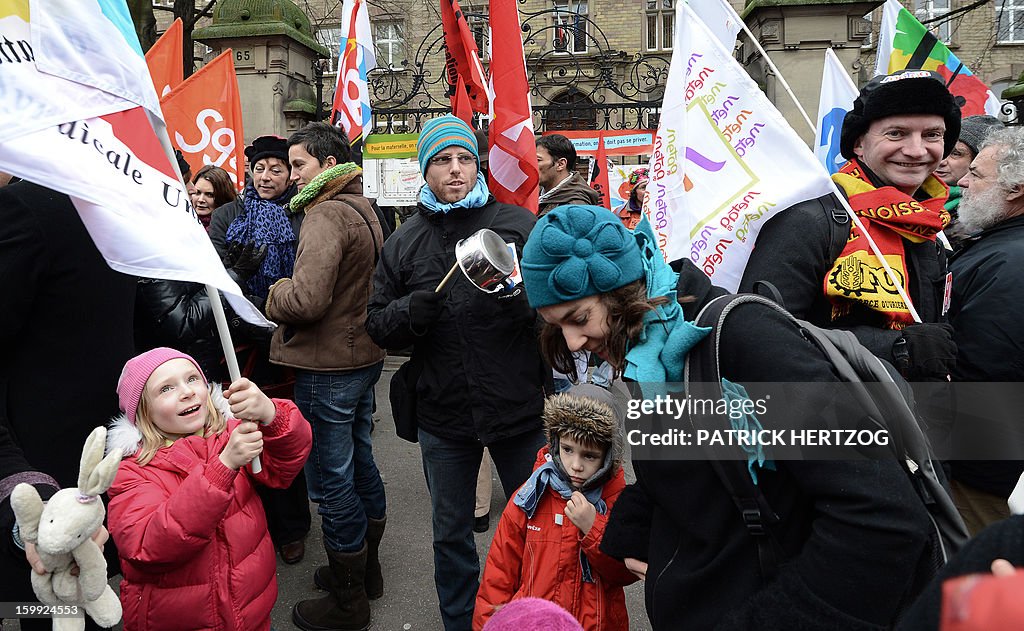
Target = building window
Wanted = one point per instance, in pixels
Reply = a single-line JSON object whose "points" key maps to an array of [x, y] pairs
{"points": [[1010, 19], [925, 10], [660, 24], [390, 43], [480, 25], [571, 26], [330, 38]]}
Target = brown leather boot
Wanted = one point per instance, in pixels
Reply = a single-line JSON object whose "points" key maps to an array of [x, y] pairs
{"points": [[345, 607], [374, 577]]}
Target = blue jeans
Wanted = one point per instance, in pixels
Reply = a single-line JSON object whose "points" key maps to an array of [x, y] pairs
{"points": [[343, 478], [450, 468]]}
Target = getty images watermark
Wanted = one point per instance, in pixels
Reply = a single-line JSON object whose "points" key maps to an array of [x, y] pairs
{"points": [[680, 408]]}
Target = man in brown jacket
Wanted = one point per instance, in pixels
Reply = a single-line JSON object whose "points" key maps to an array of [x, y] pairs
{"points": [[559, 182], [322, 312]]}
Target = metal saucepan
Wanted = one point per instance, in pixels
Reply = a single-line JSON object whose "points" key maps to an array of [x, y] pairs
{"points": [[484, 259]]}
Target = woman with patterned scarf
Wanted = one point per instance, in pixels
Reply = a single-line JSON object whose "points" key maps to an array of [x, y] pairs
{"points": [[900, 128], [603, 288], [261, 216]]}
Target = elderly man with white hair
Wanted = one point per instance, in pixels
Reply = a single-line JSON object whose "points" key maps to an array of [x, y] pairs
{"points": [[988, 282]]}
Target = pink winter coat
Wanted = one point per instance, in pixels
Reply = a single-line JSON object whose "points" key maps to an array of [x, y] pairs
{"points": [[192, 535]]}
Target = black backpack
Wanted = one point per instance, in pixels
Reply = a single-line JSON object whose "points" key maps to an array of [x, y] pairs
{"points": [[885, 405]]}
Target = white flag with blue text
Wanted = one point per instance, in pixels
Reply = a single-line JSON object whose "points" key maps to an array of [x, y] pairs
{"points": [[838, 93]]}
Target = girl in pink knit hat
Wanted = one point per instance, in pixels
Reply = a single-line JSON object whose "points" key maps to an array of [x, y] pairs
{"points": [[184, 513]]}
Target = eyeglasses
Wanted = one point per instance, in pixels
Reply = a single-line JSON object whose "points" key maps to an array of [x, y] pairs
{"points": [[463, 158]]}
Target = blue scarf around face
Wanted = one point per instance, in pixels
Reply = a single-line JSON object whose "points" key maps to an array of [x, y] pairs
{"points": [[265, 222], [548, 475], [476, 198]]}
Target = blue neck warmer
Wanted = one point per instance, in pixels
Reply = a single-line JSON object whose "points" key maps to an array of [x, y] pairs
{"points": [[549, 475], [475, 199]]}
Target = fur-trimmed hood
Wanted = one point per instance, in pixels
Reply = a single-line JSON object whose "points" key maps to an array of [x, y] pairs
{"points": [[124, 434], [590, 414]]}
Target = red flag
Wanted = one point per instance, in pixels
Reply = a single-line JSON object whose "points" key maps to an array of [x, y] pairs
{"points": [[204, 118], [462, 58], [513, 153], [165, 61], [461, 104], [600, 180]]}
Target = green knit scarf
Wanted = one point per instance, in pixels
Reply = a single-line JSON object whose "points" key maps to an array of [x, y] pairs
{"points": [[313, 189]]}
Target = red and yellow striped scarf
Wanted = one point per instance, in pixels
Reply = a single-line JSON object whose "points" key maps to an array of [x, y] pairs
{"points": [[888, 216]]}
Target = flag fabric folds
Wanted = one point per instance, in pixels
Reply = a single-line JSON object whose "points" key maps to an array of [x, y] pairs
{"points": [[513, 152], [204, 116], [463, 60], [838, 93], [724, 160], [720, 18], [351, 107], [123, 183], [165, 61], [903, 42]]}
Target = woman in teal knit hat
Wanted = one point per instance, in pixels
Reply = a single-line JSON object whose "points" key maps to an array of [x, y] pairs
{"points": [[848, 535]]}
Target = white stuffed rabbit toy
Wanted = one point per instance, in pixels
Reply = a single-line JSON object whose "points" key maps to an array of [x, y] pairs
{"points": [[62, 532]]}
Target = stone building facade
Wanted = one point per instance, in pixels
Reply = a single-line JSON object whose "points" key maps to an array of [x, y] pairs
{"points": [[603, 63]]}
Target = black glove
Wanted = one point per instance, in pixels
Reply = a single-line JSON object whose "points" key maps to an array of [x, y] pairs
{"points": [[244, 260], [424, 308], [930, 352]]}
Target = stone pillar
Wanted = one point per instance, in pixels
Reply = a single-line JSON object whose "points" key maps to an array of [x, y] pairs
{"points": [[274, 51], [795, 33]]}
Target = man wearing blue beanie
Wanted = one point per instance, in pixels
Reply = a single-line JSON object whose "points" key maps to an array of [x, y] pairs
{"points": [[476, 373]]}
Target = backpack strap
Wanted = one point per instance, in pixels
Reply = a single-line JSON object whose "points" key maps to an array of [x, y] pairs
{"points": [[838, 228], [703, 367]]}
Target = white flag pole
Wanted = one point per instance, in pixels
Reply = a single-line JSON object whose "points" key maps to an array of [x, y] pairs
{"points": [[877, 252], [782, 80], [228, 347]]}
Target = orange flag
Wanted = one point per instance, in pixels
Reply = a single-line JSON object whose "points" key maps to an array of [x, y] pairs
{"points": [[204, 118], [165, 61]]}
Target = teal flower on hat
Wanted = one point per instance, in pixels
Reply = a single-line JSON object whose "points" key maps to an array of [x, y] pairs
{"points": [[579, 251]]}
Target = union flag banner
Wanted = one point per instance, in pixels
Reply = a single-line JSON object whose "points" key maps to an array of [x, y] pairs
{"points": [[107, 124], [724, 159], [838, 93], [351, 107], [462, 60], [903, 42], [513, 177], [165, 61], [204, 116]]}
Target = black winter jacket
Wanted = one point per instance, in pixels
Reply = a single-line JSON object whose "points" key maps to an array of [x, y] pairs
{"points": [[851, 532], [988, 279], [482, 373], [794, 251]]}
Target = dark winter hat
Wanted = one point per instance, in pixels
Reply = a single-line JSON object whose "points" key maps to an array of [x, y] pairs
{"points": [[973, 130], [267, 147], [578, 251], [903, 92]]}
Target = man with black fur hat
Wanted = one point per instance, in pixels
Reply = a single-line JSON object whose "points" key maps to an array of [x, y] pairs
{"points": [[900, 128]]}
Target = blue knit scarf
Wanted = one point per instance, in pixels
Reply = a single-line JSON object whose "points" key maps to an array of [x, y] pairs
{"points": [[659, 355], [475, 199], [265, 222], [549, 475]]}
